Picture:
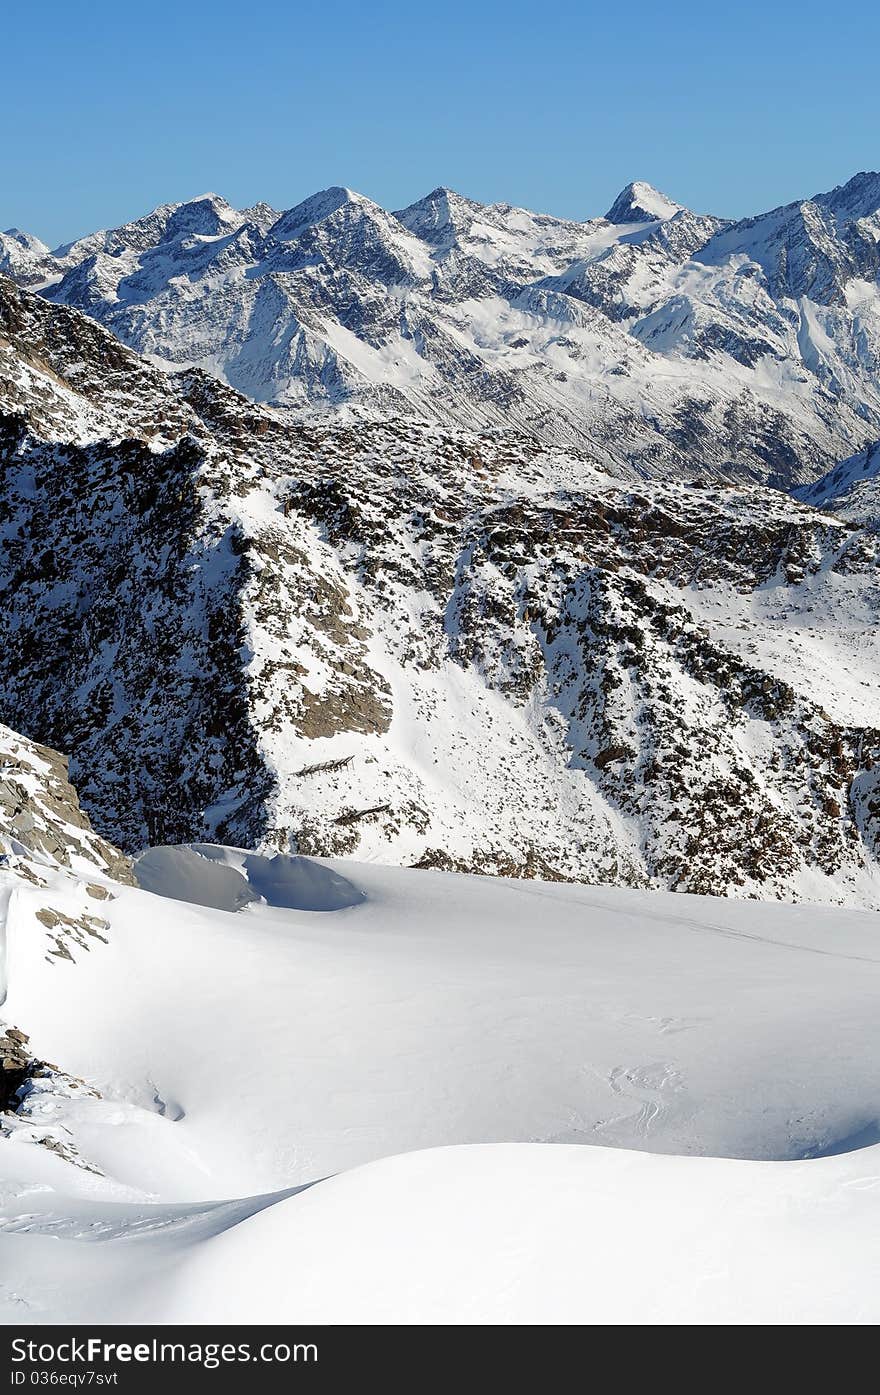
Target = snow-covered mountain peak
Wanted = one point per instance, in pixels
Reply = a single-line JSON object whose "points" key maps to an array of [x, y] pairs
{"points": [[440, 216], [261, 214], [27, 240], [209, 215], [813, 248], [642, 203], [137, 235], [24, 257], [315, 209], [340, 242]]}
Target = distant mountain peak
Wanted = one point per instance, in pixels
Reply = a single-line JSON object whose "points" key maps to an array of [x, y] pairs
{"points": [[450, 197], [25, 238], [857, 198], [439, 215], [642, 203], [207, 197], [314, 209], [23, 256], [262, 214], [207, 215], [618, 335]]}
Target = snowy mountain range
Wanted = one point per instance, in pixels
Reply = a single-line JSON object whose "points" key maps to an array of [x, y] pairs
{"points": [[421, 645], [677, 343]]}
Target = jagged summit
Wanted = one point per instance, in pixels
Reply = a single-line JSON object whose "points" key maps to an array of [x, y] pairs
{"points": [[315, 209], [441, 197], [859, 197], [262, 214], [206, 216], [25, 238], [439, 215], [24, 257], [641, 203]]}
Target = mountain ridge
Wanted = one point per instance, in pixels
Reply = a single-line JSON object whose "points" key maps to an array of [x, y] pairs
{"points": [[413, 644]]}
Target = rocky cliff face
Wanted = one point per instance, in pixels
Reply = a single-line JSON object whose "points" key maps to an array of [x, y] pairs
{"points": [[433, 647], [673, 341]]}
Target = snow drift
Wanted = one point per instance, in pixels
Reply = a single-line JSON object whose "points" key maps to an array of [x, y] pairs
{"points": [[227, 879], [502, 1234]]}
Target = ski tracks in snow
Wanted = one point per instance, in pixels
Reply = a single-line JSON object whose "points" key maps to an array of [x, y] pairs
{"points": [[644, 1091]]}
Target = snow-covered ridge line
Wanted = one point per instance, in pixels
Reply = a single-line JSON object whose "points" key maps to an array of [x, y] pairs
{"points": [[851, 489], [422, 645]]}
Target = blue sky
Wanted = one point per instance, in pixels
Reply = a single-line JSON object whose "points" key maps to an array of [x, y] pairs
{"points": [[108, 109]]}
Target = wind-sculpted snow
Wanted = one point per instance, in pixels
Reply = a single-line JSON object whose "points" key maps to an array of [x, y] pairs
{"points": [[507, 1234], [227, 879], [181, 873], [424, 646], [658, 337], [430, 1008]]}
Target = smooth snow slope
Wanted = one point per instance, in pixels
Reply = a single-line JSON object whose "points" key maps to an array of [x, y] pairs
{"points": [[511, 1233], [451, 1009], [244, 1053]]}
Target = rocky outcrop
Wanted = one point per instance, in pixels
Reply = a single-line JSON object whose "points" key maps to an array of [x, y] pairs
{"points": [[44, 833], [33, 1096], [16, 1066], [41, 822]]}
